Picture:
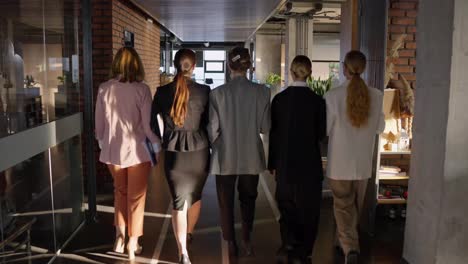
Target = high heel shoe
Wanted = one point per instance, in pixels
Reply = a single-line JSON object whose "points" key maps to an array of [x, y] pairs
{"points": [[184, 259], [248, 248], [133, 250], [189, 241], [189, 238], [138, 250], [233, 250], [119, 244]]}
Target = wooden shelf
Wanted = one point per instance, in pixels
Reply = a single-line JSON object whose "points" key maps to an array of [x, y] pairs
{"points": [[393, 178], [391, 201], [407, 152]]}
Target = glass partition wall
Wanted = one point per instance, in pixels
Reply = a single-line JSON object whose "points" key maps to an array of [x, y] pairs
{"points": [[41, 184]]}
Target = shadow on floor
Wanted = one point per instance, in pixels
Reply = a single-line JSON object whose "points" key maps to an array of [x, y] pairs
{"points": [[95, 241]]}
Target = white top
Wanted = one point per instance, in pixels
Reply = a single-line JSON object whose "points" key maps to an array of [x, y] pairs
{"points": [[299, 84], [350, 149]]}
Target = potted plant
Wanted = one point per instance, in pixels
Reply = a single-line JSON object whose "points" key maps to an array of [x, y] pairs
{"points": [[62, 80], [29, 81], [273, 80], [320, 87]]}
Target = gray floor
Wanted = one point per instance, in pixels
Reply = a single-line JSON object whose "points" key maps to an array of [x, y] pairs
{"points": [[93, 244]]}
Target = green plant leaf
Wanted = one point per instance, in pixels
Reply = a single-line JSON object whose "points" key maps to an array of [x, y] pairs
{"points": [[273, 79]]}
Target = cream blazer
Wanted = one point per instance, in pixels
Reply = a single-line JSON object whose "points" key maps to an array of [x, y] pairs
{"points": [[351, 149]]}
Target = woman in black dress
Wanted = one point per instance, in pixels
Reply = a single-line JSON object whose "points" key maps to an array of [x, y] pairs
{"points": [[183, 107]]}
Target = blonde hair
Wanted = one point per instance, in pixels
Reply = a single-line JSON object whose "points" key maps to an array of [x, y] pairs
{"points": [[358, 98], [127, 66], [301, 67], [184, 61]]}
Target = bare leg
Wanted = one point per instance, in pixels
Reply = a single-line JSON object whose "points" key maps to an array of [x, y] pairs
{"points": [[179, 224], [193, 215]]}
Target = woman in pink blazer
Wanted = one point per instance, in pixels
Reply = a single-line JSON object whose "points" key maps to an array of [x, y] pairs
{"points": [[123, 108]]}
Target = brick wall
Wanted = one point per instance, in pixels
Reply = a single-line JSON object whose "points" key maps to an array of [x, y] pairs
{"points": [[402, 17], [102, 59], [125, 16]]}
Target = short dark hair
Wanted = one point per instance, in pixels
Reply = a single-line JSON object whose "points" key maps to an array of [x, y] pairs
{"points": [[239, 59]]}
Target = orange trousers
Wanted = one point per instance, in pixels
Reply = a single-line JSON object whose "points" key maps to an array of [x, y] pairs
{"points": [[130, 185]]}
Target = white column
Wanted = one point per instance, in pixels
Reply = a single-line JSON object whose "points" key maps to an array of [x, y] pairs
{"points": [[290, 47], [437, 224], [349, 30], [299, 41]]}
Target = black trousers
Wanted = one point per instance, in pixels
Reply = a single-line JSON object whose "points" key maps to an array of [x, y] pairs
{"points": [[247, 188], [299, 206]]}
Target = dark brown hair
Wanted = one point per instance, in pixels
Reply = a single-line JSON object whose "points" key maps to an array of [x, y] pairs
{"points": [[127, 66], [239, 59], [358, 98], [301, 67], [184, 62]]}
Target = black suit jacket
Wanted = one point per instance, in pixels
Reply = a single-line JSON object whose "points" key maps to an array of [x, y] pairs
{"points": [[192, 136], [298, 125]]}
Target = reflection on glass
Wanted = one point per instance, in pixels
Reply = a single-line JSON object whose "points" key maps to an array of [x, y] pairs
{"points": [[41, 197], [67, 188], [25, 198], [39, 69], [44, 196]]}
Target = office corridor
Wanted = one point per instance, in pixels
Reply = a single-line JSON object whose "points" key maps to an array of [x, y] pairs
{"points": [[94, 243]]}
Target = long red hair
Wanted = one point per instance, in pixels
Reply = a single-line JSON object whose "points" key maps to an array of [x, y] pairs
{"points": [[184, 62]]}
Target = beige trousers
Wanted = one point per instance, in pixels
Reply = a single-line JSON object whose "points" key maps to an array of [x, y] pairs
{"points": [[348, 201]]}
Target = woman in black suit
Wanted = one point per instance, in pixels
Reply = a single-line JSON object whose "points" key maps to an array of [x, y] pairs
{"points": [[183, 106], [298, 125]]}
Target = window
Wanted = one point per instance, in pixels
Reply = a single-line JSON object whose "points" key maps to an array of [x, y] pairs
{"points": [[214, 66]]}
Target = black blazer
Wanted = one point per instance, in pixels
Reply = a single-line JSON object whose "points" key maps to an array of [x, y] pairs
{"points": [[298, 125], [192, 136]]}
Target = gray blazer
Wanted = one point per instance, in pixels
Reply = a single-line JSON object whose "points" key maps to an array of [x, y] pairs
{"points": [[239, 112]]}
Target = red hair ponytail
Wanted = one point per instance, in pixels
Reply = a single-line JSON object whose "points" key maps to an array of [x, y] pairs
{"points": [[184, 62]]}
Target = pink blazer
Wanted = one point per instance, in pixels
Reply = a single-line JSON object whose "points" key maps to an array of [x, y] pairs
{"points": [[123, 113]]}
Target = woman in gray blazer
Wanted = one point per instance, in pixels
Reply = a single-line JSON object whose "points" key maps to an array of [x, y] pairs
{"points": [[239, 113]]}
